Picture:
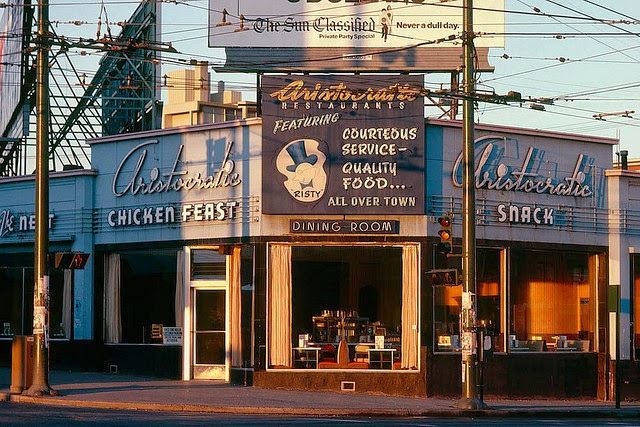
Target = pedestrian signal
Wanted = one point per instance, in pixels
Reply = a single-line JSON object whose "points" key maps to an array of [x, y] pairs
{"points": [[446, 238], [71, 260], [443, 277]]}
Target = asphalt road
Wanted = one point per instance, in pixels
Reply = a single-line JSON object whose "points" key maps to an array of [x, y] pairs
{"points": [[24, 414]]}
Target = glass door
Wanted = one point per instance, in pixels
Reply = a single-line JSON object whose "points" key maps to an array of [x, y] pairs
{"points": [[209, 334]]}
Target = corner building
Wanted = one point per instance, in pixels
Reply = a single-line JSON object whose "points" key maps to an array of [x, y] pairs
{"points": [[299, 300], [215, 256]]}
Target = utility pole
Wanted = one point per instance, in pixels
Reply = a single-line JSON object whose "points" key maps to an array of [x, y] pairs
{"points": [[468, 321], [40, 384]]}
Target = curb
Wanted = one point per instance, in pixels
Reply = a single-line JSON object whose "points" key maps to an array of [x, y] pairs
{"points": [[343, 412]]}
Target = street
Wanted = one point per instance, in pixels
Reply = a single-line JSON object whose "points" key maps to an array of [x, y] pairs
{"points": [[23, 414]]}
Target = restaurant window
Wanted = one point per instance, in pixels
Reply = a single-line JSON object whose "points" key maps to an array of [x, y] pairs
{"points": [[635, 307], [345, 307], [140, 295], [552, 301], [16, 302], [447, 299]]}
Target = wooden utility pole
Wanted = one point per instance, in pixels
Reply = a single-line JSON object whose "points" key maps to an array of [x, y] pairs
{"points": [[41, 299], [468, 321]]}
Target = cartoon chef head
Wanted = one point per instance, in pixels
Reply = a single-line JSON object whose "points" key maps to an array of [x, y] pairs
{"points": [[302, 163]]}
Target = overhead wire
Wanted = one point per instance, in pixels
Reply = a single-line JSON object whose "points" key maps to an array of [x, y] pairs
{"points": [[597, 40], [610, 10], [578, 111], [178, 61]]}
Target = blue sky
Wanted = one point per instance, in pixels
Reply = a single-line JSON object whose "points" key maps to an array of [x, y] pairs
{"points": [[582, 54]]}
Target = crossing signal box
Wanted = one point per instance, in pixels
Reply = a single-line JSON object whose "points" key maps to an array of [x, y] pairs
{"points": [[71, 260], [446, 237]]}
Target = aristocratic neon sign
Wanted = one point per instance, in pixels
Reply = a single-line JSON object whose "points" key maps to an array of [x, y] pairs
{"points": [[174, 180], [499, 176]]}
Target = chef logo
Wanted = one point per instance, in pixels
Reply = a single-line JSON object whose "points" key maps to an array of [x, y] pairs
{"points": [[302, 163]]}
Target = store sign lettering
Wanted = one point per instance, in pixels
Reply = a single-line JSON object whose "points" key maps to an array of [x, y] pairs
{"points": [[219, 211], [299, 226], [175, 180], [525, 214], [141, 216], [9, 223], [492, 173], [214, 211], [341, 92]]}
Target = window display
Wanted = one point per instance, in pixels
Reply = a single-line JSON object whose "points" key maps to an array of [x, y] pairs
{"points": [[552, 305], [635, 307], [16, 317], [347, 301], [140, 291], [447, 299]]}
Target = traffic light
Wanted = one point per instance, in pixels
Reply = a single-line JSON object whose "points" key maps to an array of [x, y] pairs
{"points": [[446, 238], [71, 260]]}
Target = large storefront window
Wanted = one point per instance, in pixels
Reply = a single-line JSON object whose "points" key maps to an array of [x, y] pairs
{"points": [[552, 302], [16, 302], [635, 307], [447, 300], [140, 295], [345, 307]]}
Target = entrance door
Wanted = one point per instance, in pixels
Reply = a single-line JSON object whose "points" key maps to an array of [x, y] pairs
{"points": [[209, 334]]}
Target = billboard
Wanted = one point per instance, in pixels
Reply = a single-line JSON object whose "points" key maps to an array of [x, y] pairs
{"points": [[338, 144], [10, 66], [347, 24], [299, 60]]}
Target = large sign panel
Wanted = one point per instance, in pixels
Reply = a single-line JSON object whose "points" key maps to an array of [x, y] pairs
{"points": [[350, 23], [343, 144]]}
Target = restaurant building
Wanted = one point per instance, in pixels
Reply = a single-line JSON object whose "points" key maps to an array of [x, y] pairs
{"points": [[72, 314], [294, 250], [542, 258]]}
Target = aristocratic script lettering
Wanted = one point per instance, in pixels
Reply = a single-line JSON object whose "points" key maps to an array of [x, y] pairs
{"points": [[175, 180], [504, 178], [296, 91]]}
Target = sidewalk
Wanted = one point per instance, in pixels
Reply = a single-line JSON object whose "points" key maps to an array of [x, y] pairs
{"points": [[118, 391]]}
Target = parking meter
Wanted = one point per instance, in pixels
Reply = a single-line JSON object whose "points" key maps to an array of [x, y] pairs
{"points": [[485, 344]]}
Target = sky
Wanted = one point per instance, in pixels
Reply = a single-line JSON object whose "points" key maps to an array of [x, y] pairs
{"points": [[584, 55]]}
